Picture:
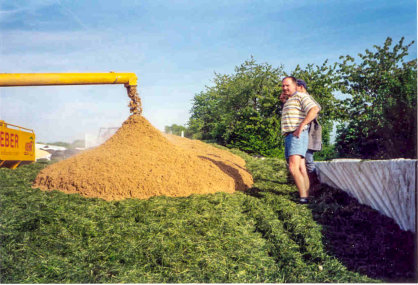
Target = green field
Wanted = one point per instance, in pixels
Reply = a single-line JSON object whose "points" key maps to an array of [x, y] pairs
{"points": [[261, 235]]}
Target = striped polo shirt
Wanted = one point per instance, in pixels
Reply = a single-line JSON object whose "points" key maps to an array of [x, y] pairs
{"points": [[295, 110]]}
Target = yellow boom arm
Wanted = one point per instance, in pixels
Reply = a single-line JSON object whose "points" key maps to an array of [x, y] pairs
{"points": [[40, 79]]}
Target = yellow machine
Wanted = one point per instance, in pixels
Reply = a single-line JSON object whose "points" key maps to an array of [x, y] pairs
{"points": [[17, 144]]}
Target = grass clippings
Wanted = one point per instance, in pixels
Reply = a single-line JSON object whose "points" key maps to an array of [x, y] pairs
{"points": [[260, 235]]}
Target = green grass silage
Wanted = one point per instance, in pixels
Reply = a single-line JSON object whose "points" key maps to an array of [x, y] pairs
{"points": [[258, 236]]}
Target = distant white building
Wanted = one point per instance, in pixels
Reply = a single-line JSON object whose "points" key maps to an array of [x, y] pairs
{"points": [[48, 147], [41, 150]]}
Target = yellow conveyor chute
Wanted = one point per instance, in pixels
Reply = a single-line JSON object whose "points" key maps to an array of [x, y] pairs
{"points": [[40, 79]]}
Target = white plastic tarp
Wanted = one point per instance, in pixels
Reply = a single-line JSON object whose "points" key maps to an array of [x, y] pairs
{"points": [[388, 186]]}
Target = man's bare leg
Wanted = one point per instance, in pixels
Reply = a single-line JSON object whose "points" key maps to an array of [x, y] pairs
{"points": [[295, 169], [304, 172]]}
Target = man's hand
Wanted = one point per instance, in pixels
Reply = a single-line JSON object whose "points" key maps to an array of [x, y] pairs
{"points": [[313, 112], [283, 98], [298, 131]]}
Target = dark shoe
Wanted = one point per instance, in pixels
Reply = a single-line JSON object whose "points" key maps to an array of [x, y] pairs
{"points": [[303, 201]]}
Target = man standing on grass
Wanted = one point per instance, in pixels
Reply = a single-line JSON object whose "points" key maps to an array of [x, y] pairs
{"points": [[298, 111], [315, 136]]}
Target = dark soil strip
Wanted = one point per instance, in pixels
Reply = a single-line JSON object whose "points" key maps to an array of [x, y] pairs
{"points": [[364, 240]]}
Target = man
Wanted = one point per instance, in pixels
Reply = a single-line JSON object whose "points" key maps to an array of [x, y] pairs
{"points": [[315, 137], [298, 111]]}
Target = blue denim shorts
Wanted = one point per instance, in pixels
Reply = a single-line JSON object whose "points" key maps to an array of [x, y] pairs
{"points": [[296, 146]]}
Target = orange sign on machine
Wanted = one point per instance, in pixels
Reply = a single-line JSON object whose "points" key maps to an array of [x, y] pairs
{"points": [[17, 145]]}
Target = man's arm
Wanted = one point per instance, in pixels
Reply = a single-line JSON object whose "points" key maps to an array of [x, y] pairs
{"points": [[313, 112]]}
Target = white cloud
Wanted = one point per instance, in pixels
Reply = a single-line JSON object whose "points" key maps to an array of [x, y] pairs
{"points": [[20, 7], [7, 13]]}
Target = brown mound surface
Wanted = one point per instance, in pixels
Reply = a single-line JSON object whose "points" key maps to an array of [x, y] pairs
{"points": [[139, 162]]}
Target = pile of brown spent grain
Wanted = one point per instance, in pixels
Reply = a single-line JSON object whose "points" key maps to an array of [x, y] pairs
{"points": [[229, 163], [139, 162]]}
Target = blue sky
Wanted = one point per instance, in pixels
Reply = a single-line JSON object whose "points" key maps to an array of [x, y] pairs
{"points": [[174, 47]]}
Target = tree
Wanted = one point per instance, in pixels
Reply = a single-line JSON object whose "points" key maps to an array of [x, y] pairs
{"points": [[380, 114], [241, 110], [175, 129]]}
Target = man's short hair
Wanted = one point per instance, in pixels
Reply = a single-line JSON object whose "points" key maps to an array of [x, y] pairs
{"points": [[291, 77], [301, 82]]}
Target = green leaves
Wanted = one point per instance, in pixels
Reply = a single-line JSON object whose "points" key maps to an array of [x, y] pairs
{"points": [[241, 110], [381, 110], [379, 114], [175, 130]]}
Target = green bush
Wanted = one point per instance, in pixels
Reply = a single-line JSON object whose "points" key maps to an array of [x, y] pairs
{"points": [[381, 111], [328, 152]]}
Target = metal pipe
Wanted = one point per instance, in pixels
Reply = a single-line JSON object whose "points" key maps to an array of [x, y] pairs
{"points": [[40, 79]]}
